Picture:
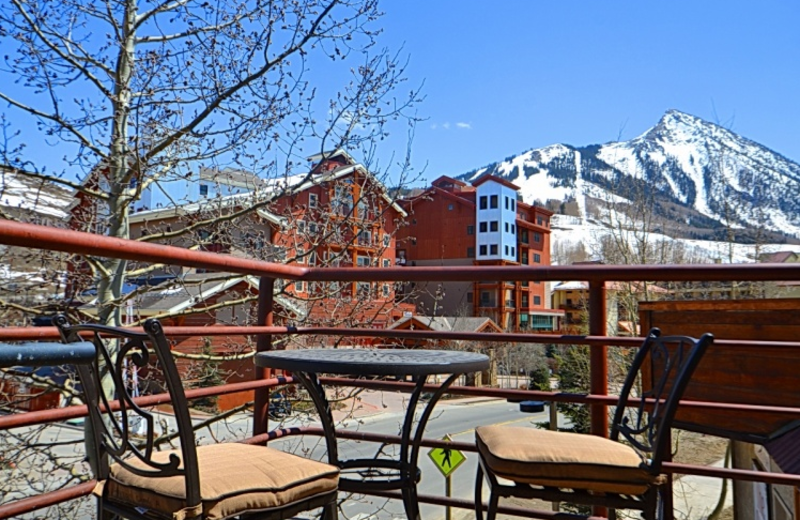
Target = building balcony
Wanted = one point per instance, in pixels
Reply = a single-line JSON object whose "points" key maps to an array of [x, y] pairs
{"points": [[64, 491]]}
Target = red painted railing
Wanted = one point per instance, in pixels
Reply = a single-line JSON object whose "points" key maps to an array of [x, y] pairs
{"points": [[39, 237]]}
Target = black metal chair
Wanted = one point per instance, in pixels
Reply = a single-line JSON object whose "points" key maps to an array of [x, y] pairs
{"points": [[592, 470], [217, 481]]}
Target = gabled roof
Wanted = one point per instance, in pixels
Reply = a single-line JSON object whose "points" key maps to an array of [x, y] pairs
{"points": [[611, 286], [444, 179], [332, 154], [488, 177], [780, 257], [446, 323], [269, 188], [232, 177], [192, 290]]}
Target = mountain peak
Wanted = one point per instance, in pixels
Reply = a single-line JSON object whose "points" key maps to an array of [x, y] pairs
{"points": [[703, 175]]}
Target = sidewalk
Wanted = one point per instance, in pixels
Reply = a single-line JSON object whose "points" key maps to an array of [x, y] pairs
{"points": [[373, 402]]}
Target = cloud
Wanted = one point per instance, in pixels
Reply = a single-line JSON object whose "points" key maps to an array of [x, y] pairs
{"points": [[446, 126]]}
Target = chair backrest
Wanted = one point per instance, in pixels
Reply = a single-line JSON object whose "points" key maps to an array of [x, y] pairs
{"points": [[666, 364], [123, 354]]}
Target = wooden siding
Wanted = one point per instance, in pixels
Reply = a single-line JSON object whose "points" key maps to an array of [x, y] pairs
{"points": [[752, 375]]}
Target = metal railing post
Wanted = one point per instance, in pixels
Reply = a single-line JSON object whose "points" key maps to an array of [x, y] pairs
{"points": [[599, 356], [599, 364], [266, 300]]}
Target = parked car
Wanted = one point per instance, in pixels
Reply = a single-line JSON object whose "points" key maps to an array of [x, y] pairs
{"points": [[279, 406]]}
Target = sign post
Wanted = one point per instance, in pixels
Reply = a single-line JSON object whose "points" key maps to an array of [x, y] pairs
{"points": [[447, 460]]}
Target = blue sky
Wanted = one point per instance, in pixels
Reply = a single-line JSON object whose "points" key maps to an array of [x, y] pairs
{"points": [[501, 78], [505, 77]]}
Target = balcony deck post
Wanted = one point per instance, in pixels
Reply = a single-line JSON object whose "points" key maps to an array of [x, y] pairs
{"points": [[598, 364], [599, 356], [266, 299]]}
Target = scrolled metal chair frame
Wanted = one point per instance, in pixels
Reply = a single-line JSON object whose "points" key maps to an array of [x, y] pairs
{"points": [[112, 433], [672, 360]]}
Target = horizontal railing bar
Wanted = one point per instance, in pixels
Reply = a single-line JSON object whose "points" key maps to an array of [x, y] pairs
{"points": [[69, 241], [462, 503], [52, 498], [784, 479], [781, 479], [18, 420], [551, 396], [32, 333]]}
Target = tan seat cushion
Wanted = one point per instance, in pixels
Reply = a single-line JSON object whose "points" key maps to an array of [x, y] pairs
{"points": [[561, 459], [233, 478]]}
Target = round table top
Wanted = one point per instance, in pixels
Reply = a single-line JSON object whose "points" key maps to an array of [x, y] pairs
{"points": [[373, 362]]}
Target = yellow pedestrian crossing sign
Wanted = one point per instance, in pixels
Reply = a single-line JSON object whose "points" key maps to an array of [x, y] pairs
{"points": [[447, 459]]}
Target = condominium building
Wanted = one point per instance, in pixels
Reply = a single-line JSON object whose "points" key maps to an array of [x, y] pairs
{"points": [[485, 223]]}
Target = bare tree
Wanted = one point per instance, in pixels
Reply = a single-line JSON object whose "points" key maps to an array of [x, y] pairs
{"points": [[136, 95], [140, 94]]}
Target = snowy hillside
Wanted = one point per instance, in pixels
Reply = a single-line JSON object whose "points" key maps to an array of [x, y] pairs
{"points": [[571, 233], [697, 172]]}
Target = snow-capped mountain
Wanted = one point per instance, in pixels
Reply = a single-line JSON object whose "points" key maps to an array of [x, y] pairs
{"points": [[700, 175]]}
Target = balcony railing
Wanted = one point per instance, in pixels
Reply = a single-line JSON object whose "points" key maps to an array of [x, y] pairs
{"points": [[39, 237]]}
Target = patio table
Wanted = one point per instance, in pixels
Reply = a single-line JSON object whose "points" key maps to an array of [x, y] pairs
{"points": [[377, 474]]}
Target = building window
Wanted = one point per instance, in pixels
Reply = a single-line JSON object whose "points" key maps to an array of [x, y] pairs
{"points": [[313, 228], [523, 236], [513, 204], [204, 190], [312, 258], [363, 288], [507, 228], [508, 203], [299, 286], [483, 202], [493, 249], [387, 262], [385, 289], [524, 300], [470, 252], [362, 261], [523, 258], [482, 227], [313, 200], [485, 298], [301, 255], [493, 202], [537, 237], [513, 229], [537, 300], [365, 238], [537, 259], [470, 297], [483, 250], [493, 225], [513, 251], [506, 250], [470, 230], [450, 207], [387, 240]]}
